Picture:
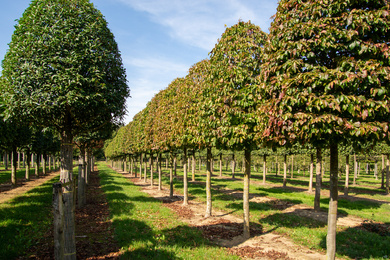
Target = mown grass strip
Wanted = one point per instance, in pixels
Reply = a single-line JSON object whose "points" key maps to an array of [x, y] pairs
{"points": [[24, 220], [147, 230]]}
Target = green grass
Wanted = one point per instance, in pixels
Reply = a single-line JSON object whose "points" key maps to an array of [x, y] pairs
{"points": [[24, 220], [5, 175], [147, 230], [351, 242]]}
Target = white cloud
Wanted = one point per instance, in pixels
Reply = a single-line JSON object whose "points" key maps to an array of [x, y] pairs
{"points": [[200, 23], [149, 75]]}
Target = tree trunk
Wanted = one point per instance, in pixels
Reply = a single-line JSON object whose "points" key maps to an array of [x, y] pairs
{"points": [[6, 161], [18, 160], [151, 170], [285, 171], [387, 173], [346, 185], [171, 178], [208, 184], [81, 180], [355, 170], [66, 178], [193, 165], [233, 166], [159, 172], [383, 172], [28, 155], [376, 170], [264, 167], [89, 166], [44, 163], [145, 168], [185, 178], [311, 172], [220, 165], [332, 213], [140, 166], [292, 166], [175, 165], [317, 196], [37, 162], [247, 175], [14, 165]]}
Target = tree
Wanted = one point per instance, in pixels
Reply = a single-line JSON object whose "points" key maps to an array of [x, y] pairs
{"points": [[234, 65], [63, 69], [325, 79]]}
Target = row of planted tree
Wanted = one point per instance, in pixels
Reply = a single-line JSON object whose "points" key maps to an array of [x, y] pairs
{"points": [[266, 162], [319, 80], [62, 71]]}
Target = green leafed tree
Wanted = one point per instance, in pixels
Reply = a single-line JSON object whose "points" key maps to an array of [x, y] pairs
{"points": [[63, 69], [234, 65], [326, 79]]}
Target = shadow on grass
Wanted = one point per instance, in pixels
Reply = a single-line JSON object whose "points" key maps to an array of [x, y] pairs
{"points": [[24, 219], [358, 243]]}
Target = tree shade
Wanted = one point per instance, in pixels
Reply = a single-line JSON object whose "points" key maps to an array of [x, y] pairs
{"points": [[325, 79], [63, 69]]}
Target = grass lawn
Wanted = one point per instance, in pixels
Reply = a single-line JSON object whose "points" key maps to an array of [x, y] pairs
{"points": [[351, 242], [147, 230]]}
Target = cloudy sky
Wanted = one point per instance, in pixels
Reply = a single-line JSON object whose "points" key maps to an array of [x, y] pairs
{"points": [[159, 39]]}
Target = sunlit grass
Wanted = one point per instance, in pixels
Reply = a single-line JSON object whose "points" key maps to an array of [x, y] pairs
{"points": [[306, 231], [147, 230]]}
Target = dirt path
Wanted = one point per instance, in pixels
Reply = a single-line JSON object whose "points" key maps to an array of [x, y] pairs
{"points": [[225, 229], [11, 193]]}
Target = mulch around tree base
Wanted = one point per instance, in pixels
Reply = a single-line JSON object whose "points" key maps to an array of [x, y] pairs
{"points": [[94, 232]]}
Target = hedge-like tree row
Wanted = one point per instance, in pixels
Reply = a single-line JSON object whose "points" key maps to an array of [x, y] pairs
{"points": [[320, 78]]}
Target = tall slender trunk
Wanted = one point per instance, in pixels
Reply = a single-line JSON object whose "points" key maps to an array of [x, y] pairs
{"points": [[151, 169], [208, 184], [346, 185], [332, 213], [317, 196], [88, 165], [247, 175], [18, 160], [37, 165], [311, 172], [81, 180], [140, 166], [14, 165], [145, 167], [285, 171], [292, 166], [171, 177], [159, 172], [185, 177], [193, 165], [66, 178], [387, 173], [264, 167], [220, 164], [175, 165], [28, 155], [6, 161], [383, 172], [44, 163], [355, 170], [233, 165]]}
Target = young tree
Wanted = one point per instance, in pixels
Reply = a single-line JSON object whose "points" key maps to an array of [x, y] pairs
{"points": [[63, 69], [235, 63], [325, 79]]}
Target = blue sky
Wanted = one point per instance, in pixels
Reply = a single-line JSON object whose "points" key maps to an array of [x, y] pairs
{"points": [[159, 39]]}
